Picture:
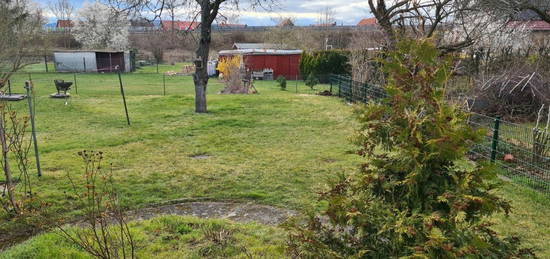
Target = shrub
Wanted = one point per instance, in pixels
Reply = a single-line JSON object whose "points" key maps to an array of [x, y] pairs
{"points": [[417, 195], [312, 81], [281, 80], [324, 63]]}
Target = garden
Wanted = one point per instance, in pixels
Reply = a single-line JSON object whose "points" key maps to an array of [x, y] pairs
{"points": [[278, 148]]}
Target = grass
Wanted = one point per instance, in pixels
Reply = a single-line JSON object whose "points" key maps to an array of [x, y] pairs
{"points": [[276, 147], [163, 68], [173, 237]]}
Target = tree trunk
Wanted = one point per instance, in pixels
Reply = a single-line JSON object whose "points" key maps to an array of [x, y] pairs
{"points": [[201, 63]]}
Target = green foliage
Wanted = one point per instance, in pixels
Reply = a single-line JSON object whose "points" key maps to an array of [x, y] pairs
{"points": [[281, 81], [323, 63], [312, 81], [417, 195]]}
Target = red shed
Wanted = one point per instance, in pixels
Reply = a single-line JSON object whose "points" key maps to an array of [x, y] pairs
{"points": [[283, 62]]}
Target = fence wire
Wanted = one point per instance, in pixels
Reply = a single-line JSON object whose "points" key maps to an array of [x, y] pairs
{"points": [[521, 150]]}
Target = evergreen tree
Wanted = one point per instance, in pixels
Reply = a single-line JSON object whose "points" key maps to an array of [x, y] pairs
{"points": [[417, 195]]}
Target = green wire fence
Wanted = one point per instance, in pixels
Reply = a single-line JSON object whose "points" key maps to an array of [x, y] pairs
{"points": [[521, 150]]}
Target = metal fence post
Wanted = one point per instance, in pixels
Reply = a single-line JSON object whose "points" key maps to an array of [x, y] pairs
{"points": [[28, 86], [164, 84], [123, 96], [75, 84], [339, 87], [46, 63], [494, 145], [330, 80]]}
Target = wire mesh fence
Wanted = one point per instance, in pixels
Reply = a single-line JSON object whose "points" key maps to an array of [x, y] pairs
{"points": [[521, 150]]}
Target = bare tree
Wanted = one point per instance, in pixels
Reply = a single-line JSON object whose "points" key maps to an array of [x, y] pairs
{"points": [[326, 17], [537, 9], [426, 19], [206, 14], [20, 36], [62, 9]]}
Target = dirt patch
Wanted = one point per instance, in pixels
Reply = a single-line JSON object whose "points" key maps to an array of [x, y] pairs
{"points": [[239, 212], [234, 211]]}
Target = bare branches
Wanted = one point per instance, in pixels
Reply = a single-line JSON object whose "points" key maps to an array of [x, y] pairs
{"points": [[62, 9], [105, 233]]}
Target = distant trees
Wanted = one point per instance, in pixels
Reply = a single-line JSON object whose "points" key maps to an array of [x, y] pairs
{"points": [[99, 26], [20, 36]]}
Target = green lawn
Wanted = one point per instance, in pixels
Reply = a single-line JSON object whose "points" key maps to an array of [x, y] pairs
{"points": [[162, 68], [276, 147], [172, 237]]}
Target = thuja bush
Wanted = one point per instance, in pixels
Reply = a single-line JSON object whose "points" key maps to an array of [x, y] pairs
{"points": [[417, 195], [281, 81]]}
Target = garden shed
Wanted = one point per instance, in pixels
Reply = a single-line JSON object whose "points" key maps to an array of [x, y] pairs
{"points": [[282, 62], [93, 61]]}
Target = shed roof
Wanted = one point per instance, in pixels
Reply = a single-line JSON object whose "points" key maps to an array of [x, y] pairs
{"points": [[94, 50], [260, 52], [257, 46]]}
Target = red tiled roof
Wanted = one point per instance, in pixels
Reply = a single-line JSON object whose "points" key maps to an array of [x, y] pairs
{"points": [[532, 25], [64, 24], [368, 22], [179, 25]]}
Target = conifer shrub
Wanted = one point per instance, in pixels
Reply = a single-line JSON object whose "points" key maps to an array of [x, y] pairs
{"points": [[417, 195], [281, 81], [326, 62], [311, 81]]}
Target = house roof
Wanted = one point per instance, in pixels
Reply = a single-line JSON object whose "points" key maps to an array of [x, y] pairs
{"points": [[368, 22], [64, 24], [257, 46], [259, 52], [532, 25], [179, 25], [286, 23]]}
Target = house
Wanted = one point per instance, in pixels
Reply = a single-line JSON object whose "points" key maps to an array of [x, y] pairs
{"points": [[64, 25], [530, 20], [179, 25], [281, 62], [368, 22], [286, 23], [94, 61], [141, 25]]}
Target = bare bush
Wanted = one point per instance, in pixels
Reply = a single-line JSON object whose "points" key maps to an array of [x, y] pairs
{"points": [[104, 232], [515, 94]]}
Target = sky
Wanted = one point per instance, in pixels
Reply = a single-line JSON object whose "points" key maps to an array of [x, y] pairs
{"points": [[304, 12]]}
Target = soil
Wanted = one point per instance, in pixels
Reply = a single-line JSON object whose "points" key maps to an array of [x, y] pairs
{"points": [[238, 212]]}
